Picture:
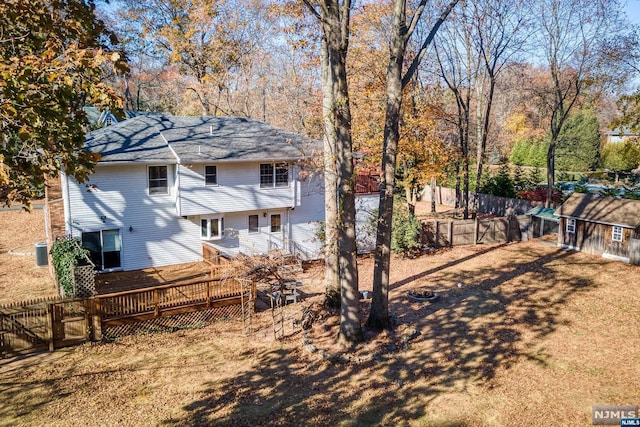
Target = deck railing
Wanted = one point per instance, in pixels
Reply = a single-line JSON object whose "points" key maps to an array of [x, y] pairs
{"points": [[38, 325]]}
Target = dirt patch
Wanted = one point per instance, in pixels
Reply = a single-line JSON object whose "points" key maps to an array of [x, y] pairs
{"points": [[521, 333]]}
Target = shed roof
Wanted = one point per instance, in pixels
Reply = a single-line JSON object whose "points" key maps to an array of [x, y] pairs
{"points": [[165, 138], [542, 212], [604, 210]]}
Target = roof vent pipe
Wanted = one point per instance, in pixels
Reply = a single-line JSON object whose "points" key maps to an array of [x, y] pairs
{"points": [[211, 130]]}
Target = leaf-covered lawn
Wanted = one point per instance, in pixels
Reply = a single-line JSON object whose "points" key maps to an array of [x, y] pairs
{"points": [[522, 334]]}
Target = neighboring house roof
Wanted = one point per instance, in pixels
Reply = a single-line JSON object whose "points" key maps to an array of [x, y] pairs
{"points": [[604, 210], [625, 131], [165, 138]]}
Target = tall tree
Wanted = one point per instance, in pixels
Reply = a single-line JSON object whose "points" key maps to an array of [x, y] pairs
{"points": [[397, 80], [206, 39], [53, 58], [498, 36], [579, 41], [459, 65], [334, 17], [579, 141]]}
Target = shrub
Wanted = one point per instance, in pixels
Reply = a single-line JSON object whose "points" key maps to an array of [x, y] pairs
{"points": [[66, 255], [405, 236]]}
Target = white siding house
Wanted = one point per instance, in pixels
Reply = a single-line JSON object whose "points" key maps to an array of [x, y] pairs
{"points": [[165, 185]]}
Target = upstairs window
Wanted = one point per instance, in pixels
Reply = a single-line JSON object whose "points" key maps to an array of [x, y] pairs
{"points": [[274, 175], [211, 175], [266, 175], [158, 182], [282, 175], [571, 226], [616, 234]]}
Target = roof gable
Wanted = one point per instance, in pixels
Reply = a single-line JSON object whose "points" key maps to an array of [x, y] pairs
{"points": [[605, 210], [169, 138]]}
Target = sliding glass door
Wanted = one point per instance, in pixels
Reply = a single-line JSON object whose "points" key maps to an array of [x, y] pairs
{"points": [[104, 247]]}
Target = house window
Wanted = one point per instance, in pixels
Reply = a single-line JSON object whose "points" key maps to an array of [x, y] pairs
{"points": [[282, 175], [571, 225], [266, 175], [274, 175], [275, 223], [211, 228], [616, 234], [104, 248], [211, 175], [158, 182], [253, 224]]}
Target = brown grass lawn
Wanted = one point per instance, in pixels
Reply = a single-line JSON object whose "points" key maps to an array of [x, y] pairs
{"points": [[20, 279], [523, 334]]}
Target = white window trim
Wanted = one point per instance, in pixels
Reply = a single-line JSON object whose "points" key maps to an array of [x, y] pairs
{"points": [[157, 193], [205, 176], [617, 233], [209, 220], [274, 183], [257, 230], [270, 223], [571, 226]]}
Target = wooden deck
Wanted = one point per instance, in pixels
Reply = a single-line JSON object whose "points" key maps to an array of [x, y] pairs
{"points": [[120, 281]]}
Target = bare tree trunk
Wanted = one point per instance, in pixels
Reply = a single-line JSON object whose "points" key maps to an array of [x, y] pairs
{"points": [[379, 314], [335, 28], [551, 170], [331, 276]]}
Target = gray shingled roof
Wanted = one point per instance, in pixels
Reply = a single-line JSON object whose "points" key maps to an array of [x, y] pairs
{"points": [[604, 210], [197, 140]]}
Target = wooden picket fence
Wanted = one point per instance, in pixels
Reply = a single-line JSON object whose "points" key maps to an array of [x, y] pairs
{"points": [[48, 324]]}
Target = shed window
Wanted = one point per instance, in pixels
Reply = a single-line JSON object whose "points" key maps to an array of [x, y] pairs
{"points": [[616, 234], [571, 226]]}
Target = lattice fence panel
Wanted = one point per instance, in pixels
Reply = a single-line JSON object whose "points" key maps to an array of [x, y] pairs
{"points": [[84, 281], [196, 319]]}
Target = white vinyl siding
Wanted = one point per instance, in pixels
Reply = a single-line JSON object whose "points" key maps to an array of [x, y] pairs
{"points": [[238, 190], [117, 198]]}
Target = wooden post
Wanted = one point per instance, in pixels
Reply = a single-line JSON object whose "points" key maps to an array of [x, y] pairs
{"points": [[475, 230], [435, 234], [97, 320], [450, 233], [51, 335], [156, 303], [209, 292]]}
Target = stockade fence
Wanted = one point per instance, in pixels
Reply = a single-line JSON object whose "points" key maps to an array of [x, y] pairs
{"points": [[54, 323], [477, 231]]}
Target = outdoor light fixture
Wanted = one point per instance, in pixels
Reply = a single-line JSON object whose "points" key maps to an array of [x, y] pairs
{"points": [[264, 214], [130, 229]]}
